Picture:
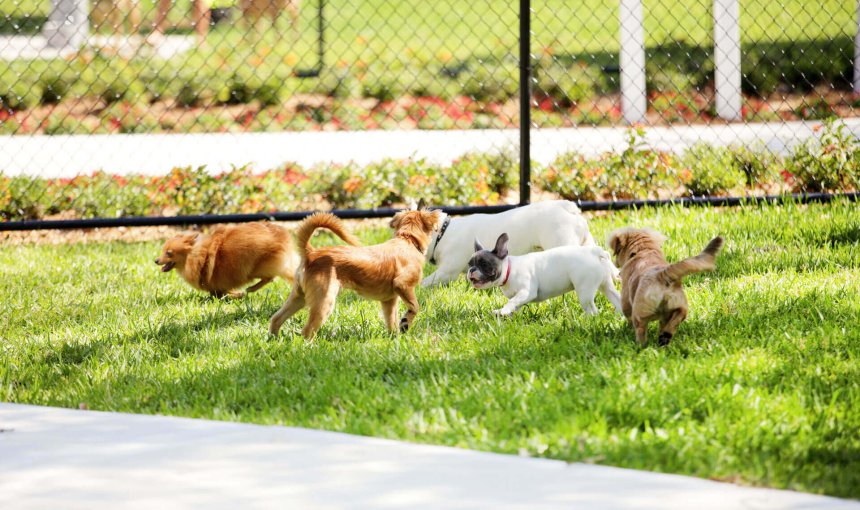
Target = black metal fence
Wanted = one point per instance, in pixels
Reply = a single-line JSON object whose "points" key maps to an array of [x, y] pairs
{"points": [[150, 112]]}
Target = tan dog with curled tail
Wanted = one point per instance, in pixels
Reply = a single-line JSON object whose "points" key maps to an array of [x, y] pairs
{"points": [[651, 287], [384, 272]]}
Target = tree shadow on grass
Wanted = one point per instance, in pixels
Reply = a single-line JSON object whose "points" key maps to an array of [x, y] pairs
{"points": [[844, 234]]}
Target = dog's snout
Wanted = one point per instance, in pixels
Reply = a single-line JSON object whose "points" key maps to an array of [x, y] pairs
{"points": [[156, 260]]}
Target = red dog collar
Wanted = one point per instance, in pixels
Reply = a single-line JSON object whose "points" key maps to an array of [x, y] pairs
{"points": [[507, 274]]}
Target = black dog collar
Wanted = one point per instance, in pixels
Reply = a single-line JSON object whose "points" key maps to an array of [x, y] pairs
{"points": [[439, 238]]}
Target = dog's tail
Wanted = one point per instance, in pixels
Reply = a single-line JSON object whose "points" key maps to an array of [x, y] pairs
{"points": [[320, 220], [704, 261], [606, 261], [611, 273]]}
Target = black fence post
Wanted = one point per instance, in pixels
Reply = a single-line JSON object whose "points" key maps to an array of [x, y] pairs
{"points": [[525, 102], [321, 39]]}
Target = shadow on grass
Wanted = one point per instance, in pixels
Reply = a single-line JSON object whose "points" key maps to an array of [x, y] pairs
{"points": [[21, 24]]}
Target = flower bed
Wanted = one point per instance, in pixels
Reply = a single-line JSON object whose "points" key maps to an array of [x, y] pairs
{"points": [[831, 164]]}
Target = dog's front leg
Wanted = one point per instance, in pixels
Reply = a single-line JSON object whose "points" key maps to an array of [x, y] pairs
{"points": [[389, 313], [641, 327], [408, 296], [519, 299]]}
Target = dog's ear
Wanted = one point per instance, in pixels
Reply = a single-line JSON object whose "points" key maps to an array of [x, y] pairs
{"points": [[478, 246], [191, 238], [614, 241], [396, 220], [429, 219], [657, 237], [422, 204], [501, 249]]}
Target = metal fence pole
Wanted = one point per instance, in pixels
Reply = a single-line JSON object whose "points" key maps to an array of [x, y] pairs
{"points": [[525, 102]]}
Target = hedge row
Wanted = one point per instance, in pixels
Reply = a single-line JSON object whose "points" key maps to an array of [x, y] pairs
{"points": [[829, 164], [239, 77]]}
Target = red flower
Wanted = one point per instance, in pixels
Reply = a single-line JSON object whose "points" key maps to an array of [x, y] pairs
{"points": [[546, 105]]}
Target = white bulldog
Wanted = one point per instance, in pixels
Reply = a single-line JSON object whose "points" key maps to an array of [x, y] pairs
{"points": [[543, 275], [539, 226]]}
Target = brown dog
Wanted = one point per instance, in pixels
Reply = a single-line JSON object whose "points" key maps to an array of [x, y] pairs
{"points": [[231, 257], [650, 286], [384, 272]]}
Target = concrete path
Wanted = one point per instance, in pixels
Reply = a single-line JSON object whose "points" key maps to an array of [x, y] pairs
{"points": [[60, 458], [26, 47], [70, 155]]}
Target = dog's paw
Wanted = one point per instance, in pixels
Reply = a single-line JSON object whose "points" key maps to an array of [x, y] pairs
{"points": [[502, 312], [404, 325], [664, 339]]}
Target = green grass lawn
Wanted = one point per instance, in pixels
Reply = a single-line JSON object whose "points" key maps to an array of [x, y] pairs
{"points": [[480, 26], [761, 385], [386, 50]]}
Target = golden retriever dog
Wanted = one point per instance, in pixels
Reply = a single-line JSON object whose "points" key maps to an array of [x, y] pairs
{"points": [[231, 257], [384, 272], [650, 286]]}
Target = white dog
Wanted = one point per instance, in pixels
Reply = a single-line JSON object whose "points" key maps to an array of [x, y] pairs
{"points": [[544, 274], [538, 226]]}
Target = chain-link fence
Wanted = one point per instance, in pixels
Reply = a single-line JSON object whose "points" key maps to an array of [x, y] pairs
{"points": [[165, 108]]}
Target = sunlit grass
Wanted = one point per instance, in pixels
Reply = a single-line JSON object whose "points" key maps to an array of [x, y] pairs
{"points": [[761, 384]]}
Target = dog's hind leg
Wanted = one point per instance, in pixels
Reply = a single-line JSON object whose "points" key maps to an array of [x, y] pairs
{"points": [[611, 294], [408, 295], [320, 304], [294, 303], [389, 313], [259, 285], [586, 299], [668, 325]]}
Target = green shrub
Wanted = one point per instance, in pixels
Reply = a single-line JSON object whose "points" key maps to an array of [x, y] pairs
{"points": [[19, 95], [830, 163], [385, 83], [713, 170], [111, 80], [566, 85], [56, 85], [22, 198], [337, 83], [760, 167], [491, 83], [635, 173], [473, 179]]}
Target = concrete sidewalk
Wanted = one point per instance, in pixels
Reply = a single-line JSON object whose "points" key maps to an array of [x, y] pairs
{"points": [[60, 458], [71, 155]]}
